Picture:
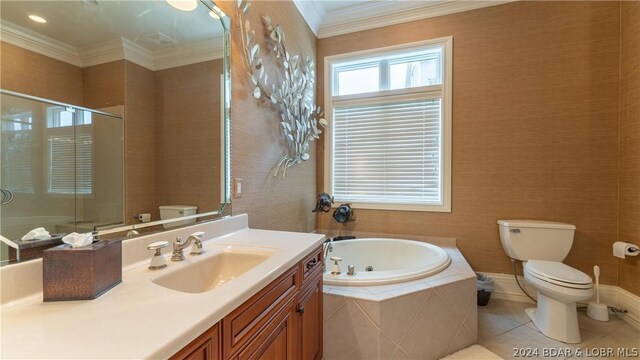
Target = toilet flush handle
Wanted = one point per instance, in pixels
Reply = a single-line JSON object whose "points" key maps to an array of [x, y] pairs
{"points": [[515, 231]]}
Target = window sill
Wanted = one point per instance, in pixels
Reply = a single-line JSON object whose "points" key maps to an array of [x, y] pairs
{"points": [[445, 208]]}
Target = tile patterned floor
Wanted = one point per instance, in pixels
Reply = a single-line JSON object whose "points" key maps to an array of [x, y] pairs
{"points": [[503, 326]]}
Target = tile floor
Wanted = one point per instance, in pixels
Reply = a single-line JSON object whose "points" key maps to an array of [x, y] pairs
{"points": [[503, 326]]}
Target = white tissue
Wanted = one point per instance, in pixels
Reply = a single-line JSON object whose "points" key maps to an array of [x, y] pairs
{"points": [[37, 234], [78, 240], [622, 249]]}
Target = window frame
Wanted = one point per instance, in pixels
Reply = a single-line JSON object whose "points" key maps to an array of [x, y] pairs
{"points": [[446, 92]]}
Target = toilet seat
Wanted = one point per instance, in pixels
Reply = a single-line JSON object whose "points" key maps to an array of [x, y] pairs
{"points": [[559, 274]]}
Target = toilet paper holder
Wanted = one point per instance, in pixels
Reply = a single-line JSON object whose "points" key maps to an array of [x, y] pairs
{"points": [[144, 217], [622, 249]]}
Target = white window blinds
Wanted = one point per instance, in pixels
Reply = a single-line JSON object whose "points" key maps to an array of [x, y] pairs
{"points": [[71, 164], [389, 136], [388, 152], [16, 162]]}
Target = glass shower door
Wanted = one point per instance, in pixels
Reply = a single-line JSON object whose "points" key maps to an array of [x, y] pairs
{"points": [[26, 141], [61, 169]]}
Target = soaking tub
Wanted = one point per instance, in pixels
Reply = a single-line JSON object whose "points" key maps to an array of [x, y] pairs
{"points": [[380, 261]]}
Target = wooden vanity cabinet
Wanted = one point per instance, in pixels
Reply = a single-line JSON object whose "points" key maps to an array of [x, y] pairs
{"points": [[205, 347], [283, 321], [309, 310]]}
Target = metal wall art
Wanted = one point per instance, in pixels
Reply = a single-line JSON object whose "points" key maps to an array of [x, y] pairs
{"points": [[292, 94]]}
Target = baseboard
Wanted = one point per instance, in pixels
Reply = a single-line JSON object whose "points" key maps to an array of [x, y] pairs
{"points": [[506, 288]]}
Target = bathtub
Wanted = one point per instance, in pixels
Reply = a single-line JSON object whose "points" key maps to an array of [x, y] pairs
{"points": [[381, 261]]}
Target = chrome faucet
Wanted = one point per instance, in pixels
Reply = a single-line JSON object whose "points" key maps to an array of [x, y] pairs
{"points": [[328, 247], [178, 246]]}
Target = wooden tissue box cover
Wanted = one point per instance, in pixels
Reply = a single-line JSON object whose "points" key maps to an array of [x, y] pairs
{"points": [[83, 273]]}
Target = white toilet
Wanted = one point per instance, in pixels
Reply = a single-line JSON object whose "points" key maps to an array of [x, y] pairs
{"points": [[542, 245], [176, 211]]}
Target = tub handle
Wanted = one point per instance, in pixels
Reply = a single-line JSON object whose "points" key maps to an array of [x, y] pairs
{"points": [[336, 267]]}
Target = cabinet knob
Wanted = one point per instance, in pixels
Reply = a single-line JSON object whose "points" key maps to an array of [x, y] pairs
{"points": [[300, 310], [312, 263]]}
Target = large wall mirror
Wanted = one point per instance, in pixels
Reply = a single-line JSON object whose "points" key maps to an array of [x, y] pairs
{"points": [[115, 117]]}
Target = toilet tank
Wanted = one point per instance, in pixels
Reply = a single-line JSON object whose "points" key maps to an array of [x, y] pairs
{"points": [[535, 239], [176, 211]]}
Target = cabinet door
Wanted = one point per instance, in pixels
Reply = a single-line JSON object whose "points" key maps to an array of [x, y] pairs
{"points": [[276, 341], [205, 347], [310, 314]]}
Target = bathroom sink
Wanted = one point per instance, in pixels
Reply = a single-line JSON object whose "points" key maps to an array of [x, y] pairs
{"points": [[212, 271]]}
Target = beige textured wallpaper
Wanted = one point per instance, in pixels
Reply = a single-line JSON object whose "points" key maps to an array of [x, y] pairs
{"points": [[535, 126], [139, 133], [257, 144], [629, 223], [187, 103], [28, 72]]}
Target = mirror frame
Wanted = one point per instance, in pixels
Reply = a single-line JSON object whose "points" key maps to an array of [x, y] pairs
{"points": [[225, 21]]}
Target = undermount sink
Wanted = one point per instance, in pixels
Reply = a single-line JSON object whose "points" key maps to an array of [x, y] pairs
{"points": [[212, 271]]}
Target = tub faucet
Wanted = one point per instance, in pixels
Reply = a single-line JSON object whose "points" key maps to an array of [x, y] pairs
{"points": [[178, 246], [328, 247]]}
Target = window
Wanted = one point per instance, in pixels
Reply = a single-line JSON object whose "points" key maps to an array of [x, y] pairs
{"points": [[70, 151], [389, 143], [16, 161]]}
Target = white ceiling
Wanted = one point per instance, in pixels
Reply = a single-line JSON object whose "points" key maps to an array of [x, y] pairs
{"points": [[90, 32], [330, 18], [82, 24]]}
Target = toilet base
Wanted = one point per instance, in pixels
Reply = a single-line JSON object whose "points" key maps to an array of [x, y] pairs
{"points": [[555, 319]]}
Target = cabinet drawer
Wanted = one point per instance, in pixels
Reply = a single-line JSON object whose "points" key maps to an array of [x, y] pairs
{"points": [[311, 264], [246, 321]]}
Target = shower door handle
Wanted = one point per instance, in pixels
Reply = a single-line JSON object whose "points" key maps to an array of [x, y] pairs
{"points": [[7, 196]]}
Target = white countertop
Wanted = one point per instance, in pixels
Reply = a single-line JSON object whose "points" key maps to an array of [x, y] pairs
{"points": [[137, 318]]}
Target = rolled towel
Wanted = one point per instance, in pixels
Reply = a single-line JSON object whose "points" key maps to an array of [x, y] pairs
{"points": [[78, 240], [37, 234]]}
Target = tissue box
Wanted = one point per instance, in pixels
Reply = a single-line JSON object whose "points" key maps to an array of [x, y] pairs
{"points": [[82, 273]]}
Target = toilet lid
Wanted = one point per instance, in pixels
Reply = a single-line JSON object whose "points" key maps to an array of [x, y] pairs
{"points": [[558, 273]]}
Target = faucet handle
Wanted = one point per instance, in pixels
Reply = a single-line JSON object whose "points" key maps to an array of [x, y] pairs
{"points": [[196, 248], [157, 261], [336, 268], [158, 245]]}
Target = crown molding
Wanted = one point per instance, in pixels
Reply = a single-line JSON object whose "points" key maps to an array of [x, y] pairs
{"points": [[101, 53], [375, 14], [137, 54], [312, 12], [113, 50], [32, 41], [191, 53]]}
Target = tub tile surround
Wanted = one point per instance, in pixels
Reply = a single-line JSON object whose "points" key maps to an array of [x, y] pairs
{"points": [[133, 317], [421, 319]]}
